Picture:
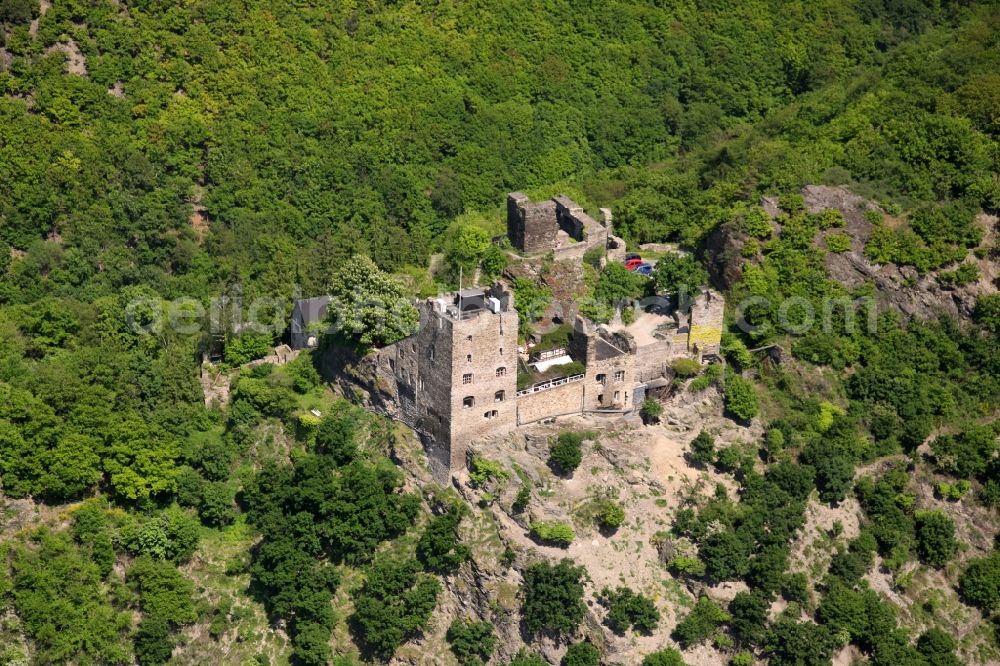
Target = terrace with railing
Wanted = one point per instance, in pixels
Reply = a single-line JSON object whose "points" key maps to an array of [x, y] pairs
{"points": [[551, 384]]}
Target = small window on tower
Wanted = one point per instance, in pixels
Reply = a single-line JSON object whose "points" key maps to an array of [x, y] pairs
{"points": [[619, 375], [501, 372], [501, 351], [468, 401], [469, 338], [468, 358], [498, 396], [467, 378], [602, 378], [490, 414]]}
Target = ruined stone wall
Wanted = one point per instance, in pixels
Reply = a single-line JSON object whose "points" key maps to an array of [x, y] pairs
{"points": [[707, 314], [535, 227], [571, 252], [531, 227], [558, 401], [653, 360]]}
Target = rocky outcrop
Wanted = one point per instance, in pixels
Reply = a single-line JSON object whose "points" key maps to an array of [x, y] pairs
{"points": [[723, 255], [900, 288]]}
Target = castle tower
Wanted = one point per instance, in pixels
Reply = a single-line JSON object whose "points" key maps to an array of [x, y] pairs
{"points": [[456, 378]]}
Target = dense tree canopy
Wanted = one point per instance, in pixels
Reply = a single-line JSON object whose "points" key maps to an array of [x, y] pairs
{"points": [[265, 148]]}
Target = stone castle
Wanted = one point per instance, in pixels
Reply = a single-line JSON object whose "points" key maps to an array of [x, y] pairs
{"points": [[455, 381]]}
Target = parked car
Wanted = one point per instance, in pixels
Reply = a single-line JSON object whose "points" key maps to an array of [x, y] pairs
{"points": [[632, 255], [633, 264], [645, 269]]}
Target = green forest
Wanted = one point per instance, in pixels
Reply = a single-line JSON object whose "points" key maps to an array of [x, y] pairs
{"points": [[154, 150]]}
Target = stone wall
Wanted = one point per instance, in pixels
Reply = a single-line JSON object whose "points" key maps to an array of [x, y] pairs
{"points": [[653, 360], [531, 227], [415, 375], [536, 227], [707, 314], [485, 347], [425, 378], [558, 401], [609, 382]]}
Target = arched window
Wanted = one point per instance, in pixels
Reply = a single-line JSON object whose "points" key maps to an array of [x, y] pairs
{"points": [[468, 401], [499, 396]]}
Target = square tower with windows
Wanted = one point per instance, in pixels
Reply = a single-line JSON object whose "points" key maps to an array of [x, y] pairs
{"points": [[456, 378]]}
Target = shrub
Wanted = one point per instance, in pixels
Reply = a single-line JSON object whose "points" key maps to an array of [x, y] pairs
{"points": [[393, 605], [553, 596], [216, 508], [938, 647], [303, 373], [756, 223], [525, 658], [665, 657], [730, 459], [710, 377], [246, 348], [740, 397], [627, 610], [438, 548], [472, 642], [566, 453], [651, 410], [554, 532], [610, 514], [749, 611], [966, 273], [593, 256], [966, 454], [831, 217], [700, 623], [979, 584], [687, 566], [336, 437], [685, 367], [581, 654], [483, 470], [935, 538], [741, 659], [791, 643], [703, 448], [987, 312], [736, 351], [523, 497]]}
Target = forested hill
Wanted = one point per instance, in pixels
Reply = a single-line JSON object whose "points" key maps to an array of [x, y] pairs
{"points": [[303, 133], [847, 476]]}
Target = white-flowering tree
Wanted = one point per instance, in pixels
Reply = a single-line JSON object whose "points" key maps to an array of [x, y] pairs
{"points": [[368, 306]]}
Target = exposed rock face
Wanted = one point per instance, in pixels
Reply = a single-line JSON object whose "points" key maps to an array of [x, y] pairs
{"points": [[723, 256], [898, 287]]}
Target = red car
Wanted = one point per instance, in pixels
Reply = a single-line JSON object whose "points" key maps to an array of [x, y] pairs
{"points": [[633, 264]]}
